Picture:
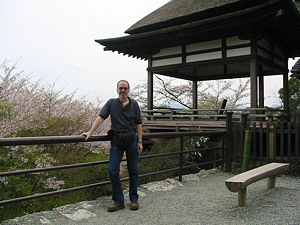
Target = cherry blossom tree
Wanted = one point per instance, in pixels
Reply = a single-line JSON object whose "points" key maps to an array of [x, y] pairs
{"points": [[169, 91], [30, 108]]}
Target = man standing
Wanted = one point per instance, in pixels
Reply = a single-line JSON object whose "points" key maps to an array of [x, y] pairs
{"points": [[126, 126]]}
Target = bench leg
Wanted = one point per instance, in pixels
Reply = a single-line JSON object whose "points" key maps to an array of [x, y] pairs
{"points": [[242, 196], [271, 182]]}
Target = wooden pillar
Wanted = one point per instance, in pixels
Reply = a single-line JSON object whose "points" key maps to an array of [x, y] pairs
{"points": [[285, 90], [229, 142], [150, 87], [253, 82], [195, 94], [261, 88], [253, 74]]}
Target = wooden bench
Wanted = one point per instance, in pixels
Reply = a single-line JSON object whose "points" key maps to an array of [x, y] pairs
{"points": [[240, 182]]}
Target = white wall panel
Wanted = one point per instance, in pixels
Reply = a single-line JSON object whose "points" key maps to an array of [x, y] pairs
{"points": [[238, 52], [204, 45], [165, 62], [204, 56], [236, 41], [169, 51]]}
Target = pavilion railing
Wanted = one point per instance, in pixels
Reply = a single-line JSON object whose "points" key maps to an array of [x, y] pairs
{"points": [[158, 120], [76, 139], [261, 114]]}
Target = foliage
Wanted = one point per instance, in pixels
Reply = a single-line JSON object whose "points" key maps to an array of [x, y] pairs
{"points": [[35, 109], [297, 4], [294, 95], [160, 163], [172, 161], [210, 94]]}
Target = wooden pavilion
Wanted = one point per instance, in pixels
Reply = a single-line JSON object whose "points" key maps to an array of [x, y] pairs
{"points": [[201, 40]]}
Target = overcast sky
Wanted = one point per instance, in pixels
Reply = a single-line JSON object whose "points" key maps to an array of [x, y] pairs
{"points": [[55, 40]]}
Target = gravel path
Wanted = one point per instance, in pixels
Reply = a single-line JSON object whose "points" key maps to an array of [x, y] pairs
{"points": [[200, 199]]}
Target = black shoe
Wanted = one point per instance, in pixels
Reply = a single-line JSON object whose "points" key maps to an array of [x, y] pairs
{"points": [[115, 207]]}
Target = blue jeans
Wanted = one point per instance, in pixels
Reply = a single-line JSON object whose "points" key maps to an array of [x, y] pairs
{"points": [[115, 157]]}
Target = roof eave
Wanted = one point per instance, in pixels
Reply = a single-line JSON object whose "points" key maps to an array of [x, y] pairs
{"points": [[122, 44]]}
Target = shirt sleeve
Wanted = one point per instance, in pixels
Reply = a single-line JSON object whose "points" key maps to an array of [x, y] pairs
{"points": [[138, 117], [105, 111]]}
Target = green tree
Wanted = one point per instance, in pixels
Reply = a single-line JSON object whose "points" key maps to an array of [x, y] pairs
{"points": [[297, 4], [294, 95]]}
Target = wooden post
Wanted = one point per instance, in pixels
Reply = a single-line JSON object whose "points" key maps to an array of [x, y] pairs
{"points": [[253, 73], [224, 102], [271, 143], [240, 146], [150, 87], [286, 91], [229, 142], [221, 112], [297, 147], [244, 120], [261, 87], [253, 83], [271, 182], [181, 159], [242, 197], [195, 95], [223, 149]]}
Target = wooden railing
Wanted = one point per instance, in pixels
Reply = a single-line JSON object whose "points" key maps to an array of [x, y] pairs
{"points": [[179, 168], [206, 119]]}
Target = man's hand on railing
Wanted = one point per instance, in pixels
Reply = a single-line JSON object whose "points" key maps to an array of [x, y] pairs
{"points": [[95, 125], [87, 135]]}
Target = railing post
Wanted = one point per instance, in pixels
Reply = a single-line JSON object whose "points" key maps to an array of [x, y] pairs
{"points": [[240, 148], [244, 120], [229, 142], [181, 159], [297, 149]]}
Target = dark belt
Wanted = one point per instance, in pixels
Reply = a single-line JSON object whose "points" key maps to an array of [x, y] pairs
{"points": [[122, 132]]}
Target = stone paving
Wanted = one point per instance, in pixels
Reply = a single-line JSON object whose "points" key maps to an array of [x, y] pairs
{"points": [[201, 198]]}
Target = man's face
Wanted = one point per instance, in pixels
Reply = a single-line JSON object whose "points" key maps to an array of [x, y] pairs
{"points": [[123, 90]]}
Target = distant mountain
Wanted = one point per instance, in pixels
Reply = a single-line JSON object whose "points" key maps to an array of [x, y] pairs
{"points": [[173, 106], [177, 106]]}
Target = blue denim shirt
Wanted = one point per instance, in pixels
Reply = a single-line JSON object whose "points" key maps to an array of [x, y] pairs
{"points": [[122, 118]]}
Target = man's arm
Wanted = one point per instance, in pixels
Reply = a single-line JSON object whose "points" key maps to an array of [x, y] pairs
{"points": [[95, 125], [139, 132]]}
